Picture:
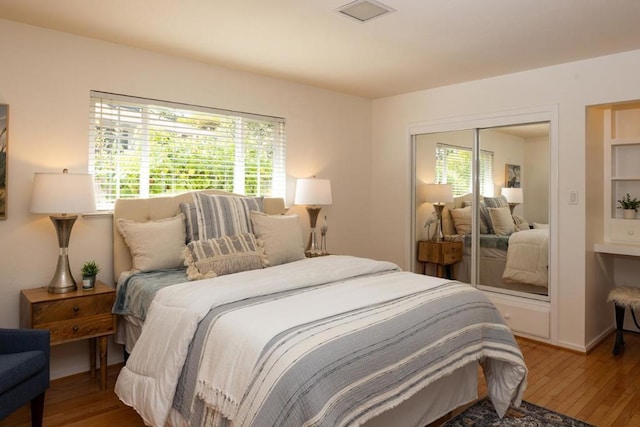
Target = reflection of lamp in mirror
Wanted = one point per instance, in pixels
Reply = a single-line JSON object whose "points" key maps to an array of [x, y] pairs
{"points": [[438, 195], [61, 194], [514, 197], [313, 193]]}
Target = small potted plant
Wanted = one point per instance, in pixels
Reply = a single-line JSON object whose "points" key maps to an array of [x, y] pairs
{"points": [[90, 270], [629, 206]]}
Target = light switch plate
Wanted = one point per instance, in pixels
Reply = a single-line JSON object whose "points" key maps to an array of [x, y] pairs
{"points": [[573, 197]]}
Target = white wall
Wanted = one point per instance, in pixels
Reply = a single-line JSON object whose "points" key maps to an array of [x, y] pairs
{"points": [[535, 188], [571, 87], [46, 78]]}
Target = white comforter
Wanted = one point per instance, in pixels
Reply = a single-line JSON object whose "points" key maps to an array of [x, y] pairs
{"points": [[150, 377], [528, 257]]}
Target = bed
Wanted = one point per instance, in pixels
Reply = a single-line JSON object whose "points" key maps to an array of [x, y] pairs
{"points": [[334, 340], [512, 254]]}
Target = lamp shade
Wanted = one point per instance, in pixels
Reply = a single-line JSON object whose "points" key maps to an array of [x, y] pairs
{"points": [[438, 193], [63, 193], [313, 191], [513, 195]]}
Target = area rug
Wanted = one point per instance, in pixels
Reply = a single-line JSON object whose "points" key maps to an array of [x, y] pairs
{"points": [[527, 415]]}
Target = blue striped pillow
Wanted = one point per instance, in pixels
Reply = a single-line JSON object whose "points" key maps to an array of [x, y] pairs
{"points": [[190, 221], [219, 216]]}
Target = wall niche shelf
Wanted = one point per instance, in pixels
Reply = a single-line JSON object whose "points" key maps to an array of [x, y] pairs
{"points": [[622, 172]]}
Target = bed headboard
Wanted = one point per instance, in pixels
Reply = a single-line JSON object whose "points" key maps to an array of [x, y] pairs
{"points": [[142, 210]]}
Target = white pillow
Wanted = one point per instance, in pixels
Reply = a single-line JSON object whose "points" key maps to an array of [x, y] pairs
{"points": [[154, 245], [502, 221], [462, 220], [538, 225], [280, 236]]}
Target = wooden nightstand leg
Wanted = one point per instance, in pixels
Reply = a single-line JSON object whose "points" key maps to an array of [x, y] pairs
{"points": [[440, 270], [92, 356], [103, 362]]}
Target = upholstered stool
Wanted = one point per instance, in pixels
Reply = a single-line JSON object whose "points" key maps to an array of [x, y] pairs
{"points": [[623, 298]]}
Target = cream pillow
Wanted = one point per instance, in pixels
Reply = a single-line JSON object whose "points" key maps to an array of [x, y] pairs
{"points": [[280, 236], [502, 221], [538, 225], [462, 219], [154, 245]]}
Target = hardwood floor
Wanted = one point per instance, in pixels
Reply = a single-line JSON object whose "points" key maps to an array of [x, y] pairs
{"points": [[598, 388]]}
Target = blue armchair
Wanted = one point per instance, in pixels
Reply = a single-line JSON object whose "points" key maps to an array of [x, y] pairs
{"points": [[24, 371]]}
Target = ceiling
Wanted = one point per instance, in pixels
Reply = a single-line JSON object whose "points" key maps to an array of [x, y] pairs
{"points": [[423, 44]]}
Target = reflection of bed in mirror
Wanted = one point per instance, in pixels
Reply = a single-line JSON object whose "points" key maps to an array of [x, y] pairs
{"points": [[513, 256]]}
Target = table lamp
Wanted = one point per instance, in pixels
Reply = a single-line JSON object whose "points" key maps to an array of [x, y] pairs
{"points": [[514, 197], [438, 195], [63, 196], [313, 193]]}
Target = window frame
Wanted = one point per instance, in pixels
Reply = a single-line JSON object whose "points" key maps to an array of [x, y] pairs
{"points": [[127, 128]]}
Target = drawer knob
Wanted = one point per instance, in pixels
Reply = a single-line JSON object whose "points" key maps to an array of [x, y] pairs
{"points": [[75, 328], [76, 308], [630, 232]]}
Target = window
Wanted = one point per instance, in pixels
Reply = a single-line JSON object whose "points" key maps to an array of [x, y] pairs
{"points": [[141, 147], [453, 166]]}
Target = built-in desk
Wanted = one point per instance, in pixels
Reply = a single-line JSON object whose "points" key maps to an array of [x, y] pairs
{"points": [[617, 249]]}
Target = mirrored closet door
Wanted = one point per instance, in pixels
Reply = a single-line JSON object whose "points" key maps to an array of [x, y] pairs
{"points": [[496, 203]]}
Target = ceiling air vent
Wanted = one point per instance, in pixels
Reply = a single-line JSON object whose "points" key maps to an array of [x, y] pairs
{"points": [[364, 10]]}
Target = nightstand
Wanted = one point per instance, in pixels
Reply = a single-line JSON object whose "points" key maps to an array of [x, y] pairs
{"points": [[73, 316], [442, 253]]}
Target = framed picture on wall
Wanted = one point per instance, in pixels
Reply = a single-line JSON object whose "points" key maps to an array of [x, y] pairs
{"points": [[4, 127], [512, 176]]}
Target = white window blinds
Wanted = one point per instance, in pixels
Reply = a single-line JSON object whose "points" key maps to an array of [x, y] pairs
{"points": [[141, 147], [454, 166]]}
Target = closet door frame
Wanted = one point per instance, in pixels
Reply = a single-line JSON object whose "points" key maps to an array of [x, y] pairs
{"points": [[484, 121]]}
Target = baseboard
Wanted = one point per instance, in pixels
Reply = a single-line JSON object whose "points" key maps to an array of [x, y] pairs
{"points": [[598, 339]]}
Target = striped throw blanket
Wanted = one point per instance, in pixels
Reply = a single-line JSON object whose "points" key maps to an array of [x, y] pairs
{"points": [[344, 340]]}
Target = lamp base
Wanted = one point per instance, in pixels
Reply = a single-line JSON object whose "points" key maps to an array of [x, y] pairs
{"points": [[312, 246], [439, 207], [62, 281]]}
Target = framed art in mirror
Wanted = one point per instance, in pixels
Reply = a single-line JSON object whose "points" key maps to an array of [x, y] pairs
{"points": [[4, 127], [512, 176]]}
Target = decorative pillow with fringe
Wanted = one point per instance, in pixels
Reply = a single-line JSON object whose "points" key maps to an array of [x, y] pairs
{"points": [[225, 255], [520, 223]]}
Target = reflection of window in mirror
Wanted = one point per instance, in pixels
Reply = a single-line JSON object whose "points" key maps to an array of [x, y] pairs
{"points": [[453, 166]]}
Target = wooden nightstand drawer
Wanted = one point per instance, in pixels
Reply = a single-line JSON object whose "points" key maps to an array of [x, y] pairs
{"points": [[72, 316], [451, 253], [80, 328], [51, 311], [441, 253]]}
